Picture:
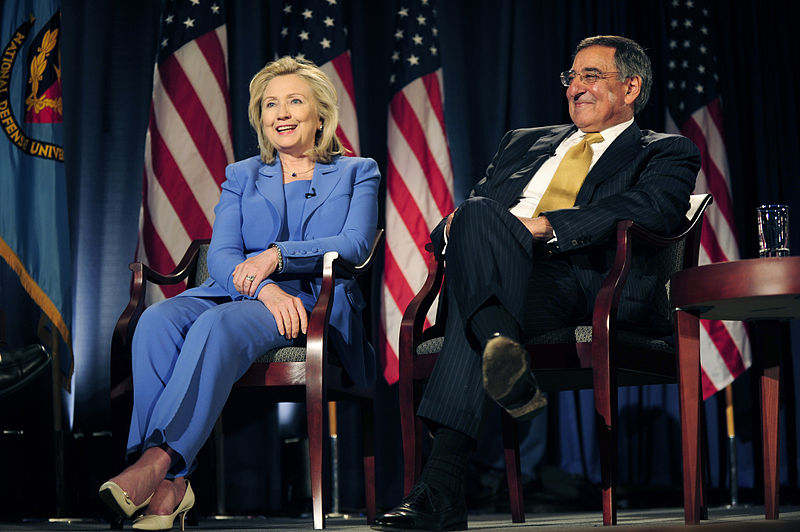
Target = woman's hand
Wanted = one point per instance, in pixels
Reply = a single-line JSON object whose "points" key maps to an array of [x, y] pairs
{"points": [[289, 312], [248, 274]]}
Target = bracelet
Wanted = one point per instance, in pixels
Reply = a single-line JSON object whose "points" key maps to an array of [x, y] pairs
{"points": [[279, 268]]}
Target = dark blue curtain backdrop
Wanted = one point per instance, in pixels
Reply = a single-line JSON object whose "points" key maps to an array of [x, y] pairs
{"points": [[501, 61]]}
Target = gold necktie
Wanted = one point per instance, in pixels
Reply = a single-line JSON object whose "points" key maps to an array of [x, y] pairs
{"points": [[569, 176]]}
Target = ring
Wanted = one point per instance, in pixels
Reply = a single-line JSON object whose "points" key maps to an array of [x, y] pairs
{"points": [[250, 278]]}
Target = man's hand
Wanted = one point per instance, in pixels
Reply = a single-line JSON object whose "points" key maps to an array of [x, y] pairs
{"points": [[539, 227], [248, 274], [289, 312]]}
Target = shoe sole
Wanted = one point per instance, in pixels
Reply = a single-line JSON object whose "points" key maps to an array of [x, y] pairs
{"points": [[505, 362]]}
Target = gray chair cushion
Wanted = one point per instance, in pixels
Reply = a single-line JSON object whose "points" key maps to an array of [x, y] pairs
{"points": [[201, 273], [283, 354]]}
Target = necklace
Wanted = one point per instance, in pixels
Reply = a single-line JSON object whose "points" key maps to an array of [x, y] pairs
{"points": [[295, 174]]}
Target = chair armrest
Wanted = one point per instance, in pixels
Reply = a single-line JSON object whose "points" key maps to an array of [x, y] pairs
{"points": [[317, 335], [126, 324]]}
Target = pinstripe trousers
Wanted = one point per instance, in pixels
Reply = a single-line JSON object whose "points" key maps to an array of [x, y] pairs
{"points": [[491, 254]]}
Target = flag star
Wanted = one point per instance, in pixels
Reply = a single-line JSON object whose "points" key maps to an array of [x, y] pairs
{"points": [[398, 34], [687, 23], [685, 63], [403, 12], [345, 30], [703, 49], [673, 44], [670, 85], [681, 106], [328, 22], [434, 50], [215, 9], [673, 23], [701, 69], [303, 35], [435, 31], [672, 64], [396, 56], [301, 56], [169, 18], [284, 31], [421, 20], [331, 2], [699, 88], [424, 2], [704, 30], [413, 60], [287, 8], [307, 14], [683, 84], [705, 12], [675, 3], [417, 39], [189, 22], [686, 43], [164, 43], [392, 78], [325, 43], [195, 2], [689, 4], [716, 78]]}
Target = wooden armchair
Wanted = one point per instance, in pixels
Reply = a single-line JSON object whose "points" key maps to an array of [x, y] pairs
{"points": [[290, 374], [599, 356]]}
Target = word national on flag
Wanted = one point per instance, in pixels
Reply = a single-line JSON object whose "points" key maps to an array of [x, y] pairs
{"points": [[188, 141], [419, 175], [694, 110]]}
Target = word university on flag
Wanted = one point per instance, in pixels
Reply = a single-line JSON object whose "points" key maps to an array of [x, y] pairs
{"points": [[188, 141], [316, 30], [34, 223], [694, 110], [419, 175]]}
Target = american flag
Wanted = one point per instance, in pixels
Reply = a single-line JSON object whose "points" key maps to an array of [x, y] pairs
{"points": [[317, 30], [188, 142], [694, 109], [419, 176]]}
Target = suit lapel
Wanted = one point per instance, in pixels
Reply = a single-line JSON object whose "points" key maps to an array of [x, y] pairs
{"points": [[621, 152], [533, 159], [324, 180], [269, 184]]}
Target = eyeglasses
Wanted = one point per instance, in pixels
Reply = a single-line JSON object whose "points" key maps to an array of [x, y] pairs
{"points": [[589, 78]]}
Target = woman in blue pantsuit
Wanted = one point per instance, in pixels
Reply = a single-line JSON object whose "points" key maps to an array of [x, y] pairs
{"points": [[277, 216]]}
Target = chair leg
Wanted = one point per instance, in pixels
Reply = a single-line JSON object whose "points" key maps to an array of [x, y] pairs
{"points": [[368, 450], [605, 404], [314, 413], [409, 430], [687, 331], [513, 470], [770, 384]]}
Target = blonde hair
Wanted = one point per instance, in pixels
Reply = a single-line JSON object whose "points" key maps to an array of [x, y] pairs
{"points": [[326, 144]]}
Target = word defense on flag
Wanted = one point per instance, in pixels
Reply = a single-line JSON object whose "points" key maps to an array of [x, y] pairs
{"points": [[188, 141], [419, 176], [694, 110], [316, 30]]}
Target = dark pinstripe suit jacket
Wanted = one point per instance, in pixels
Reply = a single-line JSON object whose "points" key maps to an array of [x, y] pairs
{"points": [[643, 176]]}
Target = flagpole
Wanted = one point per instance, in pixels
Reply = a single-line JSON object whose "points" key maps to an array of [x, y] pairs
{"points": [[732, 462]]}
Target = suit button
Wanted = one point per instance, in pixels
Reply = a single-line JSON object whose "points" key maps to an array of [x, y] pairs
{"points": [[574, 242]]}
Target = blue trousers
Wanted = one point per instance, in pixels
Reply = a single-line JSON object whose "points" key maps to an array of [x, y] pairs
{"points": [[187, 354]]}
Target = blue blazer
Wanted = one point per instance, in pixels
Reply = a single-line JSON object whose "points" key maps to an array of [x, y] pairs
{"points": [[342, 216]]}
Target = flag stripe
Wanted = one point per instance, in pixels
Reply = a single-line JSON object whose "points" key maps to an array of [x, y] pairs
{"points": [[404, 202]]}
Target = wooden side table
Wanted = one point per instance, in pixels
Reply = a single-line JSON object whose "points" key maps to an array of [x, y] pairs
{"points": [[752, 289]]}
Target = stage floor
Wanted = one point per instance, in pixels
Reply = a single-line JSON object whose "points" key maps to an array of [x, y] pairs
{"points": [[740, 518]]}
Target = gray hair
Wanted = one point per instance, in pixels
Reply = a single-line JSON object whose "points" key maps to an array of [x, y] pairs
{"points": [[630, 59]]}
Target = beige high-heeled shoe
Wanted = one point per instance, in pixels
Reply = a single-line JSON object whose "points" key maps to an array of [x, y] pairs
{"points": [[117, 499], [165, 522]]}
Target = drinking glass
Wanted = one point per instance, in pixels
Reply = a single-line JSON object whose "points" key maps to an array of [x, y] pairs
{"points": [[773, 231]]}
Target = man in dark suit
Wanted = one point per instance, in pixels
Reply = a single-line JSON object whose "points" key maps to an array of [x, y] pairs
{"points": [[527, 252]]}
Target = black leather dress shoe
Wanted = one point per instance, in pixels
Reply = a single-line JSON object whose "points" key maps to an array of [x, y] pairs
{"points": [[507, 378], [425, 509]]}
